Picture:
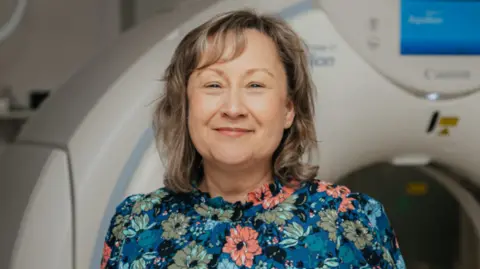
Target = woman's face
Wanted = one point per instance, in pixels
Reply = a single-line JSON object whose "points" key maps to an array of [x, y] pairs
{"points": [[239, 109]]}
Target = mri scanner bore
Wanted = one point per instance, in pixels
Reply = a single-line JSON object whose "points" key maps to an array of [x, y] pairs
{"points": [[377, 90], [428, 220]]}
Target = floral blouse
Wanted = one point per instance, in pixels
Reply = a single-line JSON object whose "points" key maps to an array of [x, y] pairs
{"points": [[313, 225]]}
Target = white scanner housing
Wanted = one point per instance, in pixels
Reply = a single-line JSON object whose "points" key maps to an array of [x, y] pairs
{"points": [[91, 143]]}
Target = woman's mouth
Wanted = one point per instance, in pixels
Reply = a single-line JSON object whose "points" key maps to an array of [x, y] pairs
{"points": [[233, 132]]}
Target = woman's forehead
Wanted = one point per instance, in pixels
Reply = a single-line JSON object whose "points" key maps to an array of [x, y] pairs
{"points": [[249, 43]]}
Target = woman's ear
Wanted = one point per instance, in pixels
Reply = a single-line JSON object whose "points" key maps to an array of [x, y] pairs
{"points": [[289, 114]]}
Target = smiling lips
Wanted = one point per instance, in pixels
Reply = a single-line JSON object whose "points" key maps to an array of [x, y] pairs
{"points": [[233, 132]]}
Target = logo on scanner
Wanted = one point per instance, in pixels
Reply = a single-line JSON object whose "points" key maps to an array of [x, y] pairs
{"points": [[322, 55], [433, 74]]}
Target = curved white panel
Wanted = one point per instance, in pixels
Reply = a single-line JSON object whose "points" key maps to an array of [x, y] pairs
{"points": [[47, 223], [149, 173]]}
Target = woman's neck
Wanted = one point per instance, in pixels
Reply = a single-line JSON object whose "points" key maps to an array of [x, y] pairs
{"points": [[234, 185]]}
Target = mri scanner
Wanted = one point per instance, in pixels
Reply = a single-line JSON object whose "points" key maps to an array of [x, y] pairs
{"points": [[389, 90]]}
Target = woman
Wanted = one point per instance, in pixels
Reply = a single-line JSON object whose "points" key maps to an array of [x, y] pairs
{"points": [[234, 123]]}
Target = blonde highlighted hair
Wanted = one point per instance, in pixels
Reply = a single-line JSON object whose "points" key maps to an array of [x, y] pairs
{"points": [[182, 161]]}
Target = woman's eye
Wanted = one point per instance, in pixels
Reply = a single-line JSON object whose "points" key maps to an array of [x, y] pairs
{"points": [[255, 85], [213, 85]]}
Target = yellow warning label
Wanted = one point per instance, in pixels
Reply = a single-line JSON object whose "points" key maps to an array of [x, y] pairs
{"points": [[417, 188], [446, 123]]}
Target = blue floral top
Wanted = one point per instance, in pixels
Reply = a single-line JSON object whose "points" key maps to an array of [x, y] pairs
{"points": [[313, 225]]}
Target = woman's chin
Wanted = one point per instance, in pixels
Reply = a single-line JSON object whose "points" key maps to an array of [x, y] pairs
{"points": [[233, 159]]}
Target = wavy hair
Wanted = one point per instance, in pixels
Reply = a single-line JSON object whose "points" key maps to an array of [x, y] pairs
{"points": [[182, 161]]}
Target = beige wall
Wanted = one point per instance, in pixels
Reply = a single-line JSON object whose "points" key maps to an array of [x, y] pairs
{"points": [[55, 38]]}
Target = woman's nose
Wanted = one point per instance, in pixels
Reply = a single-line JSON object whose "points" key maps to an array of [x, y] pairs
{"points": [[233, 104]]}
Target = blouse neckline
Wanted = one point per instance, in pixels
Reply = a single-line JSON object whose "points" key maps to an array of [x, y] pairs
{"points": [[266, 195]]}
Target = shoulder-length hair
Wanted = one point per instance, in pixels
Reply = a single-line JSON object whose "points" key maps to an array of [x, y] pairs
{"points": [[182, 161]]}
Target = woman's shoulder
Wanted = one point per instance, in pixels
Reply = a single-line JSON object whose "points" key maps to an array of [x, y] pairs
{"points": [[133, 210], [139, 203], [347, 202], [361, 221]]}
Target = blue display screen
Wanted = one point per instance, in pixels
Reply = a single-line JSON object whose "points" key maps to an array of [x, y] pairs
{"points": [[440, 27]]}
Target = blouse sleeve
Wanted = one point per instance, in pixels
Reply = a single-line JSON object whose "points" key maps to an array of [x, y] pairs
{"points": [[365, 236], [114, 237]]}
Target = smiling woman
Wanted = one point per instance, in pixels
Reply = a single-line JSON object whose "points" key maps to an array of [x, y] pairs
{"points": [[239, 109], [236, 76], [234, 123]]}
